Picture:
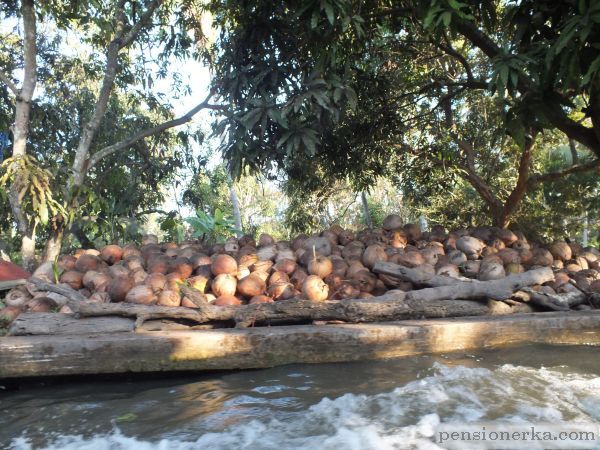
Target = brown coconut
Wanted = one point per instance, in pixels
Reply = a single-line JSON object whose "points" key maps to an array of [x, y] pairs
{"points": [[41, 304], [260, 299], [156, 281], [87, 262], [73, 278], [297, 278], [169, 298], [141, 295], [119, 287], [320, 266], [278, 277], [224, 284], [8, 314], [227, 300], [111, 254], [315, 289], [372, 254], [364, 280], [251, 286], [281, 291], [224, 264]]}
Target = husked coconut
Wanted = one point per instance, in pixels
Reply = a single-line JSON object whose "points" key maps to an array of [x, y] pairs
{"points": [[320, 266], [372, 254], [227, 300], [315, 289], [169, 298], [281, 291], [224, 264], [119, 287], [224, 284], [111, 254], [470, 246], [251, 286], [260, 299], [141, 295]]}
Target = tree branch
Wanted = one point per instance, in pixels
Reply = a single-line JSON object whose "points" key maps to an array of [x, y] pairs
{"points": [[575, 168], [132, 34], [522, 184], [12, 86], [106, 151], [556, 115]]}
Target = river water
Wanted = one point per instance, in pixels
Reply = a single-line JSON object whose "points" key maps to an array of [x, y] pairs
{"points": [[367, 405]]}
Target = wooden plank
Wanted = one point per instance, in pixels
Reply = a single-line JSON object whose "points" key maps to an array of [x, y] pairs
{"points": [[27, 324], [221, 349], [7, 285]]}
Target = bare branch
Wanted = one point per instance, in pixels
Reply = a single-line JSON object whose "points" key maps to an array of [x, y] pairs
{"points": [[106, 151], [12, 86]]}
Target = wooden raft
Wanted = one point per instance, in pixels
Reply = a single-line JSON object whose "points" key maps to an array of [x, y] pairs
{"points": [[89, 351]]}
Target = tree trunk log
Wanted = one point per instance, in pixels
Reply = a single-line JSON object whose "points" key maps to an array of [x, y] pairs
{"points": [[417, 276]]}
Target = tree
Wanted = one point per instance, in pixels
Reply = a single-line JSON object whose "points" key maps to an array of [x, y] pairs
{"points": [[121, 29], [290, 73]]}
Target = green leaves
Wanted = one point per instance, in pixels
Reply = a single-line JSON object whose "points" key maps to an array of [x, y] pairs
{"points": [[216, 227]]}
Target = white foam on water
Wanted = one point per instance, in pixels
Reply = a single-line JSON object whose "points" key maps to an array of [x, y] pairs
{"points": [[401, 419]]}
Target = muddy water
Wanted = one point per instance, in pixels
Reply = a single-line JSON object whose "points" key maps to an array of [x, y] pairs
{"points": [[375, 404]]}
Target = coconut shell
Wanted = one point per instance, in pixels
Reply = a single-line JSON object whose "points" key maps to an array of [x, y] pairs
{"points": [[315, 289], [224, 264], [260, 299], [73, 278], [156, 281], [41, 304], [281, 291], [99, 297], [8, 314], [251, 286], [111, 254], [372, 254], [285, 265], [141, 295], [224, 284], [227, 300], [182, 266], [297, 278], [67, 262], [87, 262], [278, 277], [119, 287], [169, 298], [17, 297], [320, 266]]}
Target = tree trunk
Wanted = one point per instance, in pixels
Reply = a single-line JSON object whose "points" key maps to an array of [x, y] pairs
{"points": [[366, 212], [24, 97], [54, 244], [236, 209]]}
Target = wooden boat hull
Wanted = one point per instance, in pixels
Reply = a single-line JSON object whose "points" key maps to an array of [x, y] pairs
{"points": [[94, 352]]}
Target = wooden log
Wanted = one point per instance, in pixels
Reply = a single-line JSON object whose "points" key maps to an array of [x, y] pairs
{"points": [[52, 323], [416, 276], [62, 289], [353, 311], [556, 302], [494, 289], [8, 285], [27, 356]]}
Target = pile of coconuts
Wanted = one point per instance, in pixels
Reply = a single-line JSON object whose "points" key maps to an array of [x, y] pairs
{"points": [[332, 265]]}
